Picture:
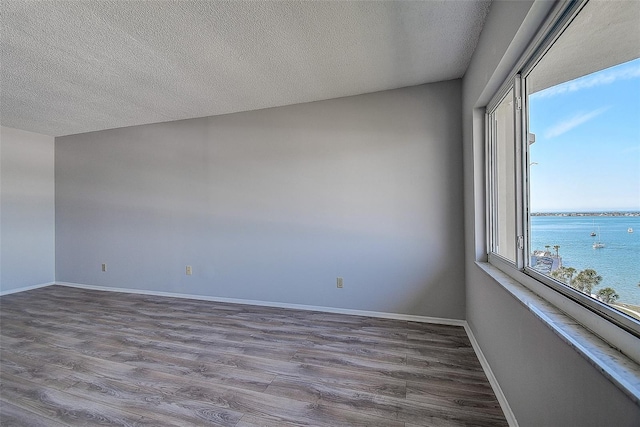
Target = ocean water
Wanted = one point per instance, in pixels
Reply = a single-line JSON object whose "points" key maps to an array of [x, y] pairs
{"points": [[618, 262]]}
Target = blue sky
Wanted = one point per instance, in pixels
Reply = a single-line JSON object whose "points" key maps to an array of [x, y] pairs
{"points": [[587, 151]]}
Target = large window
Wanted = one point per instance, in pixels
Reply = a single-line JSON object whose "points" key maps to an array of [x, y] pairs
{"points": [[563, 162]]}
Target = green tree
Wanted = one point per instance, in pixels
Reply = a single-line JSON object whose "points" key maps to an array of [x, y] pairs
{"points": [[586, 280], [557, 248], [564, 274], [608, 295]]}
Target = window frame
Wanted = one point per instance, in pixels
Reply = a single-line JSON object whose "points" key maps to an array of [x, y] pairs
{"points": [[562, 17], [520, 154]]}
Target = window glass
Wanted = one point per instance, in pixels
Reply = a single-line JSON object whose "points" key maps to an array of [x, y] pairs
{"points": [[583, 110]]}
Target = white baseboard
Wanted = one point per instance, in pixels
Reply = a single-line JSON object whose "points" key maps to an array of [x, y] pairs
{"points": [[508, 414], [383, 315], [25, 288]]}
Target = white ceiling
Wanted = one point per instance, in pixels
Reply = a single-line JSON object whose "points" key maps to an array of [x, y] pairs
{"points": [[73, 67]]}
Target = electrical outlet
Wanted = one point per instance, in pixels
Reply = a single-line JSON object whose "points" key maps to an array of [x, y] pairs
{"points": [[339, 282], [189, 270], [104, 267]]}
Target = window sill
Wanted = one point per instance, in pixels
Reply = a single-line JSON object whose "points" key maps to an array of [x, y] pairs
{"points": [[614, 365]]}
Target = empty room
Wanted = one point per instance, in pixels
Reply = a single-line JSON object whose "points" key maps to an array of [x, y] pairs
{"points": [[320, 213]]}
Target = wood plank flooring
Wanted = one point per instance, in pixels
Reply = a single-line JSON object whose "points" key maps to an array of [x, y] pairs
{"points": [[78, 357]]}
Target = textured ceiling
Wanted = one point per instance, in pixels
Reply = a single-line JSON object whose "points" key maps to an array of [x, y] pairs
{"points": [[72, 67]]}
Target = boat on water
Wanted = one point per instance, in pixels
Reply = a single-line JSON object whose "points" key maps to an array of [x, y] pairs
{"points": [[629, 230], [593, 234], [598, 244]]}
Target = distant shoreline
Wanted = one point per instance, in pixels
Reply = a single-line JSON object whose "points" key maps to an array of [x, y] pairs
{"points": [[612, 213]]}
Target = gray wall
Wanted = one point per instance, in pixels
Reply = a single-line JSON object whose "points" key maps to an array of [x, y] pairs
{"points": [[274, 204], [27, 245], [545, 381]]}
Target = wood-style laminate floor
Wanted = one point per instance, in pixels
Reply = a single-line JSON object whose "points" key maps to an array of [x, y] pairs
{"points": [[71, 356]]}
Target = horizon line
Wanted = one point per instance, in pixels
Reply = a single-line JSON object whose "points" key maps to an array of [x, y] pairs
{"points": [[611, 211]]}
